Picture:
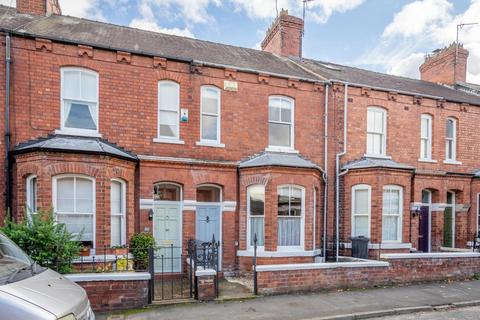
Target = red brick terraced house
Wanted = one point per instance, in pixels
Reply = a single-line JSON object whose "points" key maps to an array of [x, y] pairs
{"points": [[122, 130]]}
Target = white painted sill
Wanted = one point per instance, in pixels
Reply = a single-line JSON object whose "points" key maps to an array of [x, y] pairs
{"points": [[278, 254], [170, 141], [281, 149], [452, 162], [322, 265], [210, 144], [80, 133], [427, 160], [108, 276], [377, 156]]}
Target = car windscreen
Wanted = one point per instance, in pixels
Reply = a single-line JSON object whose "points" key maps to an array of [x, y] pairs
{"points": [[14, 263]]}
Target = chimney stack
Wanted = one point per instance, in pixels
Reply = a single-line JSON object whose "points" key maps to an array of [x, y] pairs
{"points": [[441, 66], [284, 37], [38, 7]]}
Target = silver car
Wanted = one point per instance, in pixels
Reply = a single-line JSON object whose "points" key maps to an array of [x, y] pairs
{"points": [[29, 291]]}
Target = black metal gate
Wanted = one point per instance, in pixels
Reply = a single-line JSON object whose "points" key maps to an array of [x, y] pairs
{"points": [[173, 274]]}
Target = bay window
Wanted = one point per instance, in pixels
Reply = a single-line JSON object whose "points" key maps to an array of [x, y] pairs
{"points": [[168, 110], [426, 137], [392, 214], [290, 216], [79, 90], [376, 131], [74, 203], [361, 203], [280, 123], [117, 213], [256, 214]]}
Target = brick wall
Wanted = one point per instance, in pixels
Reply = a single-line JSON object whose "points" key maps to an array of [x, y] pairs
{"points": [[400, 271], [116, 295], [440, 67], [284, 37]]}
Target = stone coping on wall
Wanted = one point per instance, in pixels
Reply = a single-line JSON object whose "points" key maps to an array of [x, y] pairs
{"points": [[108, 276], [431, 255], [279, 254], [323, 265]]}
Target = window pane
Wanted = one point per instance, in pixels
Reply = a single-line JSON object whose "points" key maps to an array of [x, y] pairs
{"points": [[257, 227], [296, 202], [32, 195], [168, 130], [71, 85], [274, 113], [116, 197], [78, 223], [370, 121], [390, 228], [425, 130], [361, 226], [257, 200], [289, 231], [361, 202], [168, 117], [80, 116], [208, 194], [425, 196], [423, 149], [279, 134], [449, 149], [209, 127], [283, 201], [116, 230], [168, 96], [89, 86], [209, 101], [166, 192], [84, 199], [65, 195], [450, 128]]}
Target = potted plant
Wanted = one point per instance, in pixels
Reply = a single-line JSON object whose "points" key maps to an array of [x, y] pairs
{"points": [[85, 251], [120, 250], [139, 245]]}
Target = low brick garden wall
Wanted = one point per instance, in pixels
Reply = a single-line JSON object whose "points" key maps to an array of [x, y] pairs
{"points": [[114, 291], [391, 269]]}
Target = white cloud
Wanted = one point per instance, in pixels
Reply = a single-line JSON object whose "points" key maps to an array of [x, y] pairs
{"points": [[420, 27], [151, 25], [82, 8], [319, 11]]}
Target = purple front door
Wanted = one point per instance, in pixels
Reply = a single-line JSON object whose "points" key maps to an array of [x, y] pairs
{"points": [[423, 227]]}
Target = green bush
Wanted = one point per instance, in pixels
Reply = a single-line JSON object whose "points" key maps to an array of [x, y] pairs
{"points": [[139, 244], [47, 242]]}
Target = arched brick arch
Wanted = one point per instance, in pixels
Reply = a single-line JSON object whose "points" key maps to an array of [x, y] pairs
{"points": [[73, 168], [262, 179]]}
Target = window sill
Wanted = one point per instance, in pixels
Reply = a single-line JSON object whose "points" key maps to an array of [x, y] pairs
{"points": [[81, 133], [427, 160], [170, 141], [210, 144], [279, 254], [280, 149], [451, 162], [377, 156]]}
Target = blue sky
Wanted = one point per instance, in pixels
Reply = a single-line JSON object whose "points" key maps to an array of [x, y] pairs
{"points": [[385, 35]]}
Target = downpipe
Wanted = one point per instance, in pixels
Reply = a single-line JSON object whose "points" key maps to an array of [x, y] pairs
{"points": [[338, 174], [325, 178], [8, 186]]}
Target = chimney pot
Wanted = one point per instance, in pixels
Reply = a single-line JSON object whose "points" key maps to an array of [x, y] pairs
{"points": [[446, 66]]}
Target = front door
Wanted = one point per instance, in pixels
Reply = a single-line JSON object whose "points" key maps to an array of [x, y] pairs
{"points": [[208, 224], [168, 237], [423, 228]]}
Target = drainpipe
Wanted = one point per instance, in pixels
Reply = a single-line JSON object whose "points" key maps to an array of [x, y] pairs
{"points": [[338, 174], [8, 198], [325, 178]]}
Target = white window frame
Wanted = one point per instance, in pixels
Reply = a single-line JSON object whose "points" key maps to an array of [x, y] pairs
{"points": [[453, 140], [249, 245], [400, 213], [122, 215], [55, 206], [168, 139], [302, 220], [369, 202], [78, 131], [28, 195], [209, 142], [383, 135], [291, 123], [427, 139]]}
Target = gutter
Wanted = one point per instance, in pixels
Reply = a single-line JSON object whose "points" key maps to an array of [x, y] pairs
{"points": [[338, 174], [8, 165]]}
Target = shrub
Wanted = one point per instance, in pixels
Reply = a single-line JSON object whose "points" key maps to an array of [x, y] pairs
{"points": [[47, 242], [139, 244]]}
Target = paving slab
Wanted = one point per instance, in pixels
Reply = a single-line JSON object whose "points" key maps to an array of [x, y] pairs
{"points": [[353, 304]]}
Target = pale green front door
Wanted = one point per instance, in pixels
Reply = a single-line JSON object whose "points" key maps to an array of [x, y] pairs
{"points": [[168, 237]]}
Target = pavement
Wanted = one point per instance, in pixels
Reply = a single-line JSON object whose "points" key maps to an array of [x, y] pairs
{"points": [[472, 313], [338, 305]]}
